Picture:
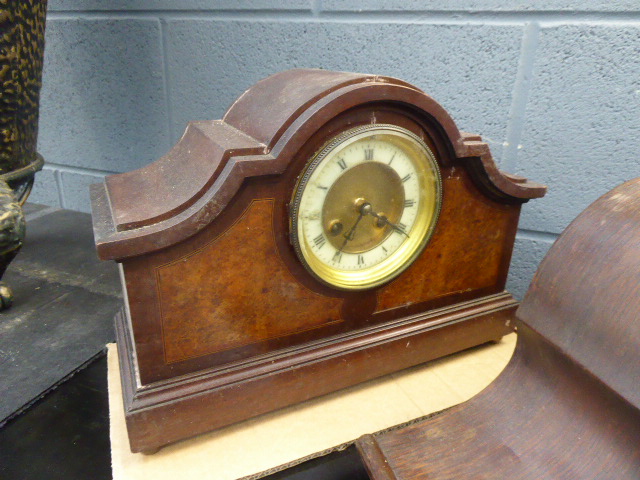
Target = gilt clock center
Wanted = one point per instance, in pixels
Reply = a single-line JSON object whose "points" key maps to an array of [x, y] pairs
{"points": [[365, 206], [373, 190]]}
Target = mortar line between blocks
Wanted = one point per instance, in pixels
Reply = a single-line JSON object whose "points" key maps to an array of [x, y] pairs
{"points": [[58, 176], [520, 97], [77, 170], [536, 235], [166, 82], [315, 13], [30, 217]]}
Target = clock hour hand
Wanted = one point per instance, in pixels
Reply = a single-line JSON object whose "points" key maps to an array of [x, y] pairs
{"points": [[385, 221]]}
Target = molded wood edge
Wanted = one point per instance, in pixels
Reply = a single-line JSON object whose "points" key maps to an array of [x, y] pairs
{"points": [[178, 417], [308, 354], [253, 111], [373, 459], [171, 184], [500, 185], [178, 195]]}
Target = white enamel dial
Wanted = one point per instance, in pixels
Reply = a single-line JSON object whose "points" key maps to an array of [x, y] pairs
{"points": [[365, 206]]}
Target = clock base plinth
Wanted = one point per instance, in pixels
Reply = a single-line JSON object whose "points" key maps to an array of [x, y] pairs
{"points": [[165, 412]]}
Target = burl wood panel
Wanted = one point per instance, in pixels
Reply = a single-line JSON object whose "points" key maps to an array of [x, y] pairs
{"points": [[203, 312], [567, 407], [470, 249]]}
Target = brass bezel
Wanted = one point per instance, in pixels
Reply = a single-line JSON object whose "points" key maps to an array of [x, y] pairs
{"points": [[431, 200]]}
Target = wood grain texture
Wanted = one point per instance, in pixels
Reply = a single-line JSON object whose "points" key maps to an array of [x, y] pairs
{"points": [[181, 304], [375, 461], [588, 304], [165, 188], [568, 404], [470, 249], [167, 411], [217, 305]]}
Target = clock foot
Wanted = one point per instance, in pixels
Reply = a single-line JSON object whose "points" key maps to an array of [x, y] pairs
{"points": [[6, 296], [151, 451]]}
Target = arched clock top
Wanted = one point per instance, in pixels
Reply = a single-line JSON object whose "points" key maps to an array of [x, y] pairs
{"points": [[270, 106], [181, 193]]}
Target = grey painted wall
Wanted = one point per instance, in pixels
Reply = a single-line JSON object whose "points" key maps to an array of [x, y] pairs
{"points": [[553, 86]]}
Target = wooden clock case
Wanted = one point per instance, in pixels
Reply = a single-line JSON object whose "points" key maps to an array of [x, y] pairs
{"points": [[221, 322], [567, 406]]}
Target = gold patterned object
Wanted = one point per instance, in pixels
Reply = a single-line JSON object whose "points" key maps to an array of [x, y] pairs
{"points": [[12, 232], [22, 25], [366, 206]]}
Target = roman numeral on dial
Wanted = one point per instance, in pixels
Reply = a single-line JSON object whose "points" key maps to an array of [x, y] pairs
{"points": [[319, 241], [368, 154], [402, 228]]}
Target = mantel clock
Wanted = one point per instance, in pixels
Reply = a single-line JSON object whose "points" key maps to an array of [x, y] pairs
{"points": [[331, 228]]}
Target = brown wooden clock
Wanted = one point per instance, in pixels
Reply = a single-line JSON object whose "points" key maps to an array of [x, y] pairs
{"points": [[331, 228]]}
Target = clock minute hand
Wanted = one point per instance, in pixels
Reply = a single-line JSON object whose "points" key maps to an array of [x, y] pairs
{"points": [[363, 210], [349, 235]]}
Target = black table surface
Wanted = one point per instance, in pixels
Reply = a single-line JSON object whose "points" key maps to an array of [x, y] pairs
{"points": [[65, 434]]}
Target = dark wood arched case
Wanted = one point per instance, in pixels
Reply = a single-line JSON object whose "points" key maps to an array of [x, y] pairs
{"points": [[221, 320]]}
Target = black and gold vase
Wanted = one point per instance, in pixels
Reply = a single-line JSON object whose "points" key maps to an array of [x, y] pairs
{"points": [[22, 25]]}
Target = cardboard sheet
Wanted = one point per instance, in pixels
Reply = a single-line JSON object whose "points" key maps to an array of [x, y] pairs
{"points": [[283, 436]]}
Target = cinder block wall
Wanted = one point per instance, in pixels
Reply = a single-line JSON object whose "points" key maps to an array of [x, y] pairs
{"points": [[553, 86]]}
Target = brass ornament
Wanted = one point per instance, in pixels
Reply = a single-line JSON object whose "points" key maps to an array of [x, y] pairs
{"points": [[365, 206], [22, 26]]}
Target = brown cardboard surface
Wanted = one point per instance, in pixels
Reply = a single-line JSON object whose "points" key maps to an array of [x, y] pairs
{"points": [[285, 435]]}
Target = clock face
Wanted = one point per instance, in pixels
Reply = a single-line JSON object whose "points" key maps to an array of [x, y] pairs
{"points": [[365, 206]]}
